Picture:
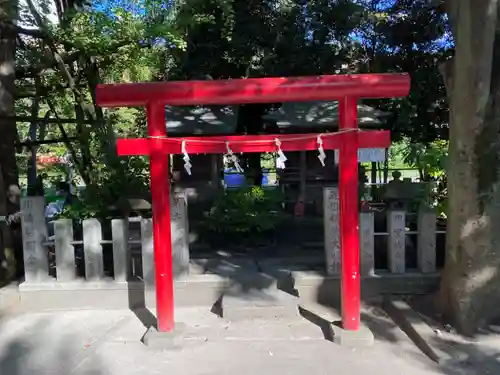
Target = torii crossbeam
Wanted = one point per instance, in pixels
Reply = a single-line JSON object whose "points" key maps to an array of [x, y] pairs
{"points": [[347, 89]]}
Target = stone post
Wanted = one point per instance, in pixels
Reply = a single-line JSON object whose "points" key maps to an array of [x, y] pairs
{"points": [[180, 241], [65, 252], [396, 226], [331, 212], [34, 232], [121, 253], [147, 251], [180, 235], [426, 255], [92, 250], [367, 243]]}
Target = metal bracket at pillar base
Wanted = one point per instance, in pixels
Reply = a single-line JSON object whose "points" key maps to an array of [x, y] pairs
{"points": [[360, 338], [164, 340]]}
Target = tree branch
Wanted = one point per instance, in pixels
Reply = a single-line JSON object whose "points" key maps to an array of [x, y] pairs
{"points": [[30, 32], [30, 71], [61, 64], [24, 92], [79, 165], [30, 143], [43, 120], [33, 130]]}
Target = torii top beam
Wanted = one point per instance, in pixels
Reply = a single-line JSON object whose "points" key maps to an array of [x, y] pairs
{"points": [[254, 90]]}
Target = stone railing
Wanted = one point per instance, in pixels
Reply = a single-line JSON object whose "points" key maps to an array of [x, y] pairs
{"points": [[396, 235], [63, 253], [114, 252], [110, 264]]}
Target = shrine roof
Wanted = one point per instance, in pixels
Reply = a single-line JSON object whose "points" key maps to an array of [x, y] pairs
{"points": [[321, 113], [201, 120], [212, 120]]}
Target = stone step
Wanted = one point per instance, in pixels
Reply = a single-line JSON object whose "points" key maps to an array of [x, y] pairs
{"points": [[238, 303], [223, 267]]}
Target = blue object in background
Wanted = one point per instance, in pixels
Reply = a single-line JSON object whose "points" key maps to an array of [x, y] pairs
{"points": [[234, 179], [265, 177]]}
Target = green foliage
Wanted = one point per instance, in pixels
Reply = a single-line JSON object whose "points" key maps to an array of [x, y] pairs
{"points": [[127, 41], [409, 36], [245, 211], [126, 45], [429, 159], [122, 43], [441, 196], [107, 196]]}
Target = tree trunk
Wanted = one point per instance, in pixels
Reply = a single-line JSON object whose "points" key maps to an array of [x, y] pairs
{"points": [[470, 289], [33, 132], [8, 165]]}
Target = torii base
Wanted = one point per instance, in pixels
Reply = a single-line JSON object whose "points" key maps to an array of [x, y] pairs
{"points": [[361, 338], [164, 340]]}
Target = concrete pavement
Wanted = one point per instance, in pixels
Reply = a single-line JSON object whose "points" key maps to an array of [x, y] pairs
{"points": [[108, 343]]}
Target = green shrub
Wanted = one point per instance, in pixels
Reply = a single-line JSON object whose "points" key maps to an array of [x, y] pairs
{"points": [[246, 212]]}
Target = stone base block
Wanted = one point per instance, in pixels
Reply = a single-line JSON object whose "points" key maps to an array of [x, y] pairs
{"points": [[163, 340], [352, 339]]}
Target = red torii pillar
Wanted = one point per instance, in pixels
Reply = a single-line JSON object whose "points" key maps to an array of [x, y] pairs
{"points": [[347, 89]]}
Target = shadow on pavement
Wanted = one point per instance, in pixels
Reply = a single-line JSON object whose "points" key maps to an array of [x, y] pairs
{"points": [[465, 359], [37, 349], [322, 323], [458, 355], [137, 303], [239, 277]]}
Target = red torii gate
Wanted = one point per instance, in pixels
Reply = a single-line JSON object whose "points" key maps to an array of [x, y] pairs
{"points": [[344, 88]]}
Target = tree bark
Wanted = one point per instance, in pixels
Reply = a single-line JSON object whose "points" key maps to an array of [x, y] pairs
{"points": [[33, 132], [8, 165], [470, 292]]}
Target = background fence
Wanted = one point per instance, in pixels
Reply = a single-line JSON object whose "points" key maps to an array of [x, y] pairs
{"points": [[75, 252], [122, 249]]}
